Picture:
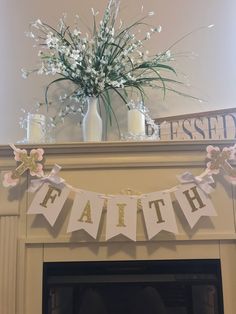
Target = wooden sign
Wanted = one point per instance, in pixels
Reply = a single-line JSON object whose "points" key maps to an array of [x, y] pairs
{"points": [[216, 125]]}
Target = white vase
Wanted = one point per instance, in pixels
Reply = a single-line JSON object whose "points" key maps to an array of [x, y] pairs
{"points": [[92, 122], [136, 122]]}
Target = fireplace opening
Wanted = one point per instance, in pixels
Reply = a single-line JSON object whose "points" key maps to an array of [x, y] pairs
{"points": [[140, 287]]}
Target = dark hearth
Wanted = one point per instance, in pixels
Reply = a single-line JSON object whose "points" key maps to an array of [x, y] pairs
{"points": [[133, 287]]}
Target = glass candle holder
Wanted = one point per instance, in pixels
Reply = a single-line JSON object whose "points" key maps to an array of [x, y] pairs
{"points": [[136, 122], [35, 128]]}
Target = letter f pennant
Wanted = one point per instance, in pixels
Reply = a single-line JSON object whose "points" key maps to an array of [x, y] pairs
{"points": [[49, 201]]}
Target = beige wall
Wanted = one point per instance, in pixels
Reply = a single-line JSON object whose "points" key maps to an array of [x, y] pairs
{"points": [[212, 74]]}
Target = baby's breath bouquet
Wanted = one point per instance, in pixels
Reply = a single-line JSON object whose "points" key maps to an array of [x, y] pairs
{"points": [[109, 59]]}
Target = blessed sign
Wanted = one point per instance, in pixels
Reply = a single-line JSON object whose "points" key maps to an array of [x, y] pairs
{"points": [[216, 125]]}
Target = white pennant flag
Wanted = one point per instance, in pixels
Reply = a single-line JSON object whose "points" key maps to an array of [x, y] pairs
{"points": [[121, 217], [194, 203], [158, 213], [86, 213], [49, 201]]}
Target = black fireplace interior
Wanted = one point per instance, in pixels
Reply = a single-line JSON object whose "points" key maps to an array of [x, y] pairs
{"points": [[133, 287]]}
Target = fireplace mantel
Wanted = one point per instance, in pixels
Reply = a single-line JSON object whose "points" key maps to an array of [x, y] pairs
{"points": [[26, 241]]}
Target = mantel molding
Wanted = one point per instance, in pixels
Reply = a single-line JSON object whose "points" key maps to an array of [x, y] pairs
{"points": [[118, 154], [119, 147]]}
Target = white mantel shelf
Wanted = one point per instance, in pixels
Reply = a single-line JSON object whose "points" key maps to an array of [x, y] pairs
{"points": [[119, 154], [121, 146], [26, 241]]}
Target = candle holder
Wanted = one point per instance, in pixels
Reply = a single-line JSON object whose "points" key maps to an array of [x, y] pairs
{"points": [[35, 128], [141, 127]]}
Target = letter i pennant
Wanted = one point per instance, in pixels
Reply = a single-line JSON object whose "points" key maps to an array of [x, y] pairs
{"points": [[194, 203], [121, 217], [49, 201]]}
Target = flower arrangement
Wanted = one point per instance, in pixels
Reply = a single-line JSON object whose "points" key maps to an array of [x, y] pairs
{"points": [[109, 59]]}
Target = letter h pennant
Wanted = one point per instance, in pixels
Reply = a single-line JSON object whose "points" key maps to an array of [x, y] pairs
{"points": [[194, 203]]}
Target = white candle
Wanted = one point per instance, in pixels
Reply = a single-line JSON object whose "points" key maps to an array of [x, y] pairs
{"points": [[136, 122], [36, 128]]}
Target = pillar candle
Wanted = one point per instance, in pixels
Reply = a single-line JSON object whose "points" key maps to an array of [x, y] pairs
{"points": [[136, 122]]}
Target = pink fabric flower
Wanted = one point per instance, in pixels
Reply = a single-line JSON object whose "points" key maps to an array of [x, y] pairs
{"points": [[18, 153], [230, 151], [211, 150], [8, 180], [38, 171], [38, 153]]}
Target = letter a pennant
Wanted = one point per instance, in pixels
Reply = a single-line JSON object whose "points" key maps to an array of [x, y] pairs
{"points": [[86, 213], [121, 217], [194, 203], [158, 213], [49, 201]]}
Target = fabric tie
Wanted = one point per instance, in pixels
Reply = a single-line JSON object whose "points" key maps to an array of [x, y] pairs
{"points": [[203, 182], [52, 178]]}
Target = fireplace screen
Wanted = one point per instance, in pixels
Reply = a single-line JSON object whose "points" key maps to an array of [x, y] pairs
{"points": [[133, 287]]}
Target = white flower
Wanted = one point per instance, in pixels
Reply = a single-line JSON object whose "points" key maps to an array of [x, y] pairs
{"points": [[24, 73], [76, 32], [51, 40], [116, 84], [42, 70], [30, 35], [93, 12], [37, 23], [168, 54], [75, 54], [148, 35]]}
